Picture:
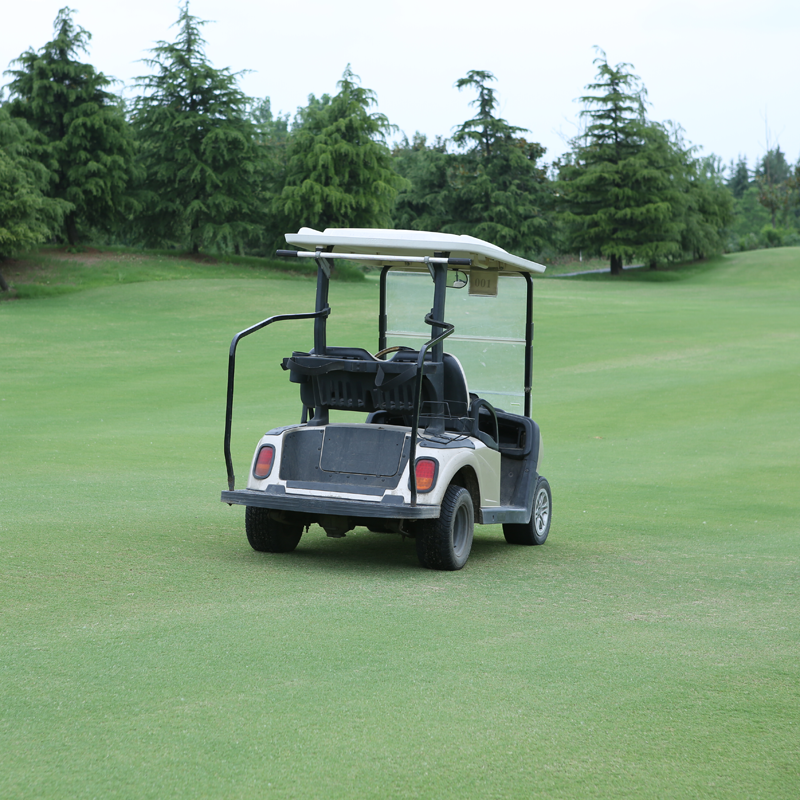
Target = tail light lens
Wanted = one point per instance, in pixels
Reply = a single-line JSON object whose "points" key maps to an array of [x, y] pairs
{"points": [[263, 467], [425, 473]]}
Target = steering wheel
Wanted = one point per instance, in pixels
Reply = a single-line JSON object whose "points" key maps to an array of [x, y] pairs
{"points": [[392, 350]]}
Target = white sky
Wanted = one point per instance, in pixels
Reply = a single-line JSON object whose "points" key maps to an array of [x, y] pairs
{"points": [[726, 70]]}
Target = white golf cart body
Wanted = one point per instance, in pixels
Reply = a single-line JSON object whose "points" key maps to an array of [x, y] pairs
{"points": [[451, 396]]}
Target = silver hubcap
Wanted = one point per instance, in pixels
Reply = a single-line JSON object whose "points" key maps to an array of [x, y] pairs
{"points": [[541, 514]]}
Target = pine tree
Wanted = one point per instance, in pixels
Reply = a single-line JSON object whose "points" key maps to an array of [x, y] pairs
{"points": [[272, 142], [340, 171], [773, 177], [709, 208], [631, 189], [499, 192], [423, 204], [604, 183], [739, 181], [204, 174], [656, 181], [490, 186], [484, 131], [27, 215], [270, 128], [749, 219], [87, 142]]}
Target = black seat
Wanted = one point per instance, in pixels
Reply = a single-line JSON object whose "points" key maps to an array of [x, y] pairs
{"points": [[352, 379], [456, 391], [455, 401]]}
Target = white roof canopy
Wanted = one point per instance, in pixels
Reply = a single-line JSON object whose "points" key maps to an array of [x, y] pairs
{"points": [[375, 241]]}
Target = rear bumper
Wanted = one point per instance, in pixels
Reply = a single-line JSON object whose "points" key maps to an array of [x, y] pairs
{"points": [[312, 506]]}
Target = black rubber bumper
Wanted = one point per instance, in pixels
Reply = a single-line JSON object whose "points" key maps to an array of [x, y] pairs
{"points": [[306, 504]]}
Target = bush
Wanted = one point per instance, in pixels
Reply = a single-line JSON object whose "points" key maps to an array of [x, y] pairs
{"points": [[776, 237], [748, 242]]}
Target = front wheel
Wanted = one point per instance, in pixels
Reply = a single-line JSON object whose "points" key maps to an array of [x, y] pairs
{"points": [[445, 543], [267, 535], [535, 531]]}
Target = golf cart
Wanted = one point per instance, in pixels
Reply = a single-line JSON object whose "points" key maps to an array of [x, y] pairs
{"points": [[429, 455]]}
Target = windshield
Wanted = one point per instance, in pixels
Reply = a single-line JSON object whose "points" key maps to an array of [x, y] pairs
{"points": [[489, 336]]}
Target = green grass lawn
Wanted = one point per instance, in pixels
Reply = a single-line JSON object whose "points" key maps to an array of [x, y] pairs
{"points": [[649, 649], [55, 271]]}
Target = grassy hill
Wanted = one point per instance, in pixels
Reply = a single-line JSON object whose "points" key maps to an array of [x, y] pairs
{"points": [[649, 649], [54, 271]]}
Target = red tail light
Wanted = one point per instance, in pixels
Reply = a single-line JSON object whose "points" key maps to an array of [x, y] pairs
{"points": [[263, 467], [425, 473]]}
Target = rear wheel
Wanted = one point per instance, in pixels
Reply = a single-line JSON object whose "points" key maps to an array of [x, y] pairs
{"points": [[535, 531], [445, 543], [267, 535]]}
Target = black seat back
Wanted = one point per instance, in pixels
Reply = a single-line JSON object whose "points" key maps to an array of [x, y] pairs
{"points": [[351, 379]]}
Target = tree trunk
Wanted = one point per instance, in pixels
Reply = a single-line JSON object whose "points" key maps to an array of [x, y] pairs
{"points": [[616, 265], [72, 230], [653, 264], [3, 284], [194, 238]]}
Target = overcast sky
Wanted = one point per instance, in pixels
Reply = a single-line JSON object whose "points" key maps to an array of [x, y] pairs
{"points": [[726, 70]]}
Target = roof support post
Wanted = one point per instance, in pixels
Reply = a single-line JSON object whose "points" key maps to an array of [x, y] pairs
{"points": [[321, 415], [436, 424], [528, 343], [320, 324], [439, 292], [382, 312]]}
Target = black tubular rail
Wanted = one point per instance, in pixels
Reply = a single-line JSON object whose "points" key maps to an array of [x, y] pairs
{"points": [[232, 369], [429, 320]]}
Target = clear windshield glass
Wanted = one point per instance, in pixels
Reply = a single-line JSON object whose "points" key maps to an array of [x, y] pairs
{"points": [[489, 336]]}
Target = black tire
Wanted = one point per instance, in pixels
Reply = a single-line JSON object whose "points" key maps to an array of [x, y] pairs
{"points": [[535, 531], [445, 543], [267, 535]]}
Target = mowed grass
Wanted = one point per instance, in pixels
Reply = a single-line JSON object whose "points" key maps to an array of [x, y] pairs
{"points": [[56, 270], [649, 649]]}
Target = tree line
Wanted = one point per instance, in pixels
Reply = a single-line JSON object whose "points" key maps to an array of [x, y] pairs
{"points": [[193, 163]]}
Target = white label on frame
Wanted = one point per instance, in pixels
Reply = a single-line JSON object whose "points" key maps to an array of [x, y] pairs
{"points": [[483, 282]]}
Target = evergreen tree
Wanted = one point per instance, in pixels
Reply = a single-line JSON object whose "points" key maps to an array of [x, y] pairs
{"points": [[340, 171], [620, 186], [739, 182], [484, 131], [87, 142], [204, 174], [709, 209], [272, 137], [27, 215], [424, 203], [491, 186], [498, 190], [749, 219], [269, 127], [773, 178], [658, 179], [793, 185], [272, 142]]}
